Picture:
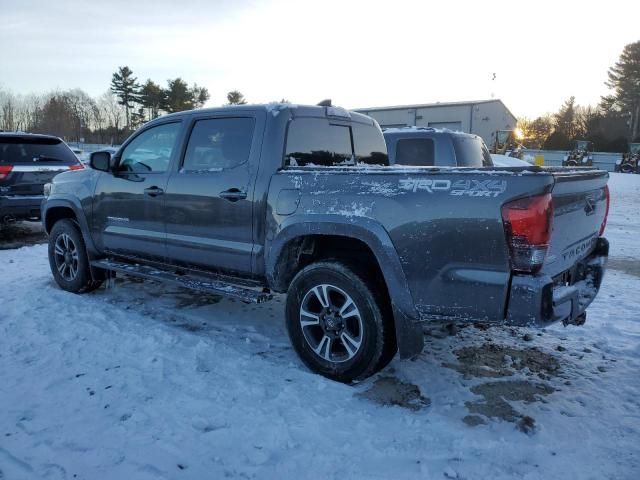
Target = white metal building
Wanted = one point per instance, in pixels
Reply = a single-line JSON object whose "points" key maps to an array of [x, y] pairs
{"points": [[482, 117]]}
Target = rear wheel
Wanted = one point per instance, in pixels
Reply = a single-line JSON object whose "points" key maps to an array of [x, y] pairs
{"points": [[337, 324], [68, 258]]}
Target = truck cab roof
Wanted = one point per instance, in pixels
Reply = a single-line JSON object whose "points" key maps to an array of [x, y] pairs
{"points": [[331, 112]]}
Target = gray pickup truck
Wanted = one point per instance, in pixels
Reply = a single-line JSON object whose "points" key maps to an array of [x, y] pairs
{"points": [[246, 201]]}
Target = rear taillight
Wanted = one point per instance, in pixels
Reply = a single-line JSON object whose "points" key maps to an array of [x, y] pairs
{"points": [[77, 166], [527, 225], [607, 198], [5, 170]]}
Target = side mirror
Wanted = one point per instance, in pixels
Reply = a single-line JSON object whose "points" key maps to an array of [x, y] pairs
{"points": [[100, 161]]}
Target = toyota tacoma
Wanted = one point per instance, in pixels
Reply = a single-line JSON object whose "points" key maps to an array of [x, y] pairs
{"points": [[251, 201]]}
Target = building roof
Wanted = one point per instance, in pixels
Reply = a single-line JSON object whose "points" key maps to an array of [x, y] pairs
{"points": [[432, 105]]}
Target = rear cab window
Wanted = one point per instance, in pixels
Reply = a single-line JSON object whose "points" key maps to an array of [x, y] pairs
{"points": [[318, 142], [40, 151]]}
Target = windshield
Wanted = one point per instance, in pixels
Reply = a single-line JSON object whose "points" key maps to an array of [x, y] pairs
{"points": [[503, 136], [634, 148], [582, 145], [471, 151], [24, 150]]}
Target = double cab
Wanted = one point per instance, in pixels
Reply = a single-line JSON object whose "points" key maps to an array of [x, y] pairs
{"points": [[257, 200]]}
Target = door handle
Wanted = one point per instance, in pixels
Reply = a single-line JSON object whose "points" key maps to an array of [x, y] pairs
{"points": [[153, 191], [233, 195]]}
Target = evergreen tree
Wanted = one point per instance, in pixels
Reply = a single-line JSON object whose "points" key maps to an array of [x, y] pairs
{"points": [[124, 85], [152, 98], [177, 96], [234, 97], [624, 80], [565, 119], [200, 95]]}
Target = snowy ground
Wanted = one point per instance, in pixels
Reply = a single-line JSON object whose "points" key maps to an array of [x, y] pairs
{"points": [[145, 382]]}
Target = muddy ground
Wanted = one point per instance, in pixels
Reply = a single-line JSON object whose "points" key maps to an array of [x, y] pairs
{"points": [[20, 234], [503, 378]]}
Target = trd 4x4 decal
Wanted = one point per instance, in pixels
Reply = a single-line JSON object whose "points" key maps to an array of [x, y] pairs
{"points": [[470, 188]]}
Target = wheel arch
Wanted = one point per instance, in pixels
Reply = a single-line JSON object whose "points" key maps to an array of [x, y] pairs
{"points": [[56, 209], [296, 245]]}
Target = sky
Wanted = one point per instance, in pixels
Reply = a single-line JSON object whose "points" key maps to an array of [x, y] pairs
{"points": [[358, 53]]}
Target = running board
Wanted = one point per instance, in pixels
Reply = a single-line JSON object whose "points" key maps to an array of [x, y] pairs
{"points": [[212, 284]]}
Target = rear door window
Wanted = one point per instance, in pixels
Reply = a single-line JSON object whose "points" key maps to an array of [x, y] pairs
{"points": [[218, 143], [35, 151], [369, 145], [415, 152], [314, 141]]}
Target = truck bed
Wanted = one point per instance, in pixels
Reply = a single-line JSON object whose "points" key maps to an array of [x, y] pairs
{"points": [[446, 225]]}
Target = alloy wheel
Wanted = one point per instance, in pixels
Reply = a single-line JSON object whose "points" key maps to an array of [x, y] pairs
{"points": [[66, 257], [331, 323]]}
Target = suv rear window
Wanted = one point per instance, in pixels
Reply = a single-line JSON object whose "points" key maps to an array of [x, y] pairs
{"points": [[415, 152], [471, 151], [317, 142], [24, 150]]}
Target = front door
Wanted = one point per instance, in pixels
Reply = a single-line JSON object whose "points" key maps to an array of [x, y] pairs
{"points": [[210, 198], [129, 202]]}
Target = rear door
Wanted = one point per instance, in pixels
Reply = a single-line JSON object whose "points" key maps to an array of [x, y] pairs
{"points": [[129, 204], [210, 198], [27, 162]]}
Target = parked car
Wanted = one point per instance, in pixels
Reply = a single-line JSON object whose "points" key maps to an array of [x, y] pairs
{"points": [[245, 201], [77, 152], [435, 147], [27, 162]]}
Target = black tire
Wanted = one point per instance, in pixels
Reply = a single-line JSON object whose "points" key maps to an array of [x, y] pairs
{"points": [[75, 275], [336, 357]]}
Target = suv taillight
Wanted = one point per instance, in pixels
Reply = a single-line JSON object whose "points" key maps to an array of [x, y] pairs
{"points": [[607, 198], [527, 225], [5, 170]]}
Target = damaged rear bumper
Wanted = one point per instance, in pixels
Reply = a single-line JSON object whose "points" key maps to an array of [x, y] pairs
{"points": [[541, 300]]}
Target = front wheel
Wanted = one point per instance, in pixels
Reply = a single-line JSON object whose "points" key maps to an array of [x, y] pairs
{"points": [[337, 325], [68, 258]]}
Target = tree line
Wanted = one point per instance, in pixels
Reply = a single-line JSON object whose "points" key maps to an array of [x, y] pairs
{"points": [[610, 125], [127, 104], [75, 116]]}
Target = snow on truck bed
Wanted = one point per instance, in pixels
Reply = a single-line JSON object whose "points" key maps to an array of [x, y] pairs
{"points": [[145, 381]]}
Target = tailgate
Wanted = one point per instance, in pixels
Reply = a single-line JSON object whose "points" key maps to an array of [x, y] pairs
{"points": [[580, 205]]}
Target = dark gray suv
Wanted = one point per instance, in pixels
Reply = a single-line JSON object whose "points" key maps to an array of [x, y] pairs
{"points": [[27, 162]]}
